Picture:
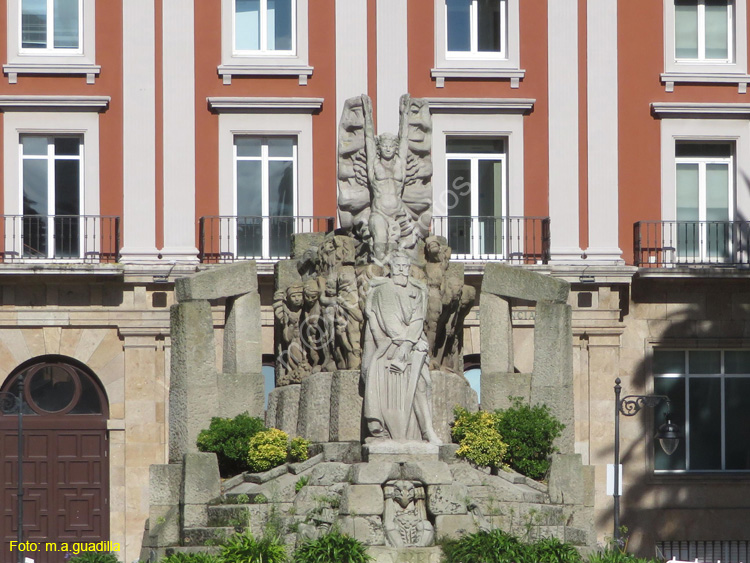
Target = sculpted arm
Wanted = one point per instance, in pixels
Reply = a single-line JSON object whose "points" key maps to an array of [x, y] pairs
{"points": [[370, 147]]}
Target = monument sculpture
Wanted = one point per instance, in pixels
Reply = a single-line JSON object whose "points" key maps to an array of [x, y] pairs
{"points": [[369, 324], [395, 364]]}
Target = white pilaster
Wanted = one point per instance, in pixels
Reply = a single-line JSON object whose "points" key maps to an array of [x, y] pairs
{"points": [[351, 50], [601, 56], [179, 130], [562, 27], [139, 131], [393, 71]]}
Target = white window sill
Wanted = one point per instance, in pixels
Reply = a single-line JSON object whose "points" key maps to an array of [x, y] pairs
{"points": [[302, 71], [14, 69], [440, 74], [669, 79]]}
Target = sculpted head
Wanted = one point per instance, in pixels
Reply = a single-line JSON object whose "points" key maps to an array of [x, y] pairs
{"points": [[387, 145], [311, 291], [400, 264], [294, 296], [403, 493]]}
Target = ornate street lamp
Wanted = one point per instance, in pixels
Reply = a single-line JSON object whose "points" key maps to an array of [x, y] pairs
{"points": [[11, 403], [669, 434]]}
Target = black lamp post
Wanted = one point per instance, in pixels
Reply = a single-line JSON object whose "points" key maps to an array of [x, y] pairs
{"points": [[11, 403], [668, 434]]}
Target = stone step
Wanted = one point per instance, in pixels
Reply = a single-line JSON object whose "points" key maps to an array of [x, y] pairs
{"points": [[229, 515], [206, 536]]}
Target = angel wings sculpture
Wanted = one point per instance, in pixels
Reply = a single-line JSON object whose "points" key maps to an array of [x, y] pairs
{"points": [[385, 182]]}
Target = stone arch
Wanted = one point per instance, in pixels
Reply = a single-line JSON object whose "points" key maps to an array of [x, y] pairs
{"points": [[65, 462]]}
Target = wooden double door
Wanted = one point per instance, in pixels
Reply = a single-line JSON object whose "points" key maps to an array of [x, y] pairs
{"points": [[65, 461]]}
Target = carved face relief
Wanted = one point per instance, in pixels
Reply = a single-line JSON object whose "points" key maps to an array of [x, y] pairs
{"points": [[387, 147], [403, 493]]}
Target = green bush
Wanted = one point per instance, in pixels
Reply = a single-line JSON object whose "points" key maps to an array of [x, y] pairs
{"points": [[495, 546], [333, 547], [229, 439], [95, 557], [267, 449], [616, 555], [190, 558], [477, 435], [529, 433], [552, 550], [298, 449], [244, 548], [301, 482]]}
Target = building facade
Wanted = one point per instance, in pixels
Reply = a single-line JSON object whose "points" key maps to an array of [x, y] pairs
{"points": [[603, 142]]}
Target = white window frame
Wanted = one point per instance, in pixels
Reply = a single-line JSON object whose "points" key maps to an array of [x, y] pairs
{"points": [[733, 70], [264, 62], [686, 423], [475, 64], [50, 49], [290, 117], [84, 124], [503, 117], [264, 51], [50, 158], [703, 250], [52, 61], [264, 159], [474, 53], [475, 247]]}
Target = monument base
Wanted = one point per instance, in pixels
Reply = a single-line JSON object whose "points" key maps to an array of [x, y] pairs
{"points": [[393, 451]]}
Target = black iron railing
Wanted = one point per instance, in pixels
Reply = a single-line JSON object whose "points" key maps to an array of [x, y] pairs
{"points": [[228, 238], [691, 243], [86, 238], [518, 240]]}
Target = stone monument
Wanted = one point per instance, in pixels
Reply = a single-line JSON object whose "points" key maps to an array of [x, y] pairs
{"points": [[368, 341]]}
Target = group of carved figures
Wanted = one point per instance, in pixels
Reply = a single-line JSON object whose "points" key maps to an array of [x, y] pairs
{"points": [[379, 295]]}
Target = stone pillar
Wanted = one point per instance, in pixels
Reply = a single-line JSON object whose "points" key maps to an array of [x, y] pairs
{"points": [[241, 383], [552, 381], [315, 407], [496, 348], [193, 396], [283, 408], [346, 407]]}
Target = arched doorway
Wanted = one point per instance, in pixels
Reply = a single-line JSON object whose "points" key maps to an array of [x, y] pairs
{"points": [[65, 461]]}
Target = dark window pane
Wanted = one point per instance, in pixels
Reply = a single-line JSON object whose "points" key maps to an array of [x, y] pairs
{"points": [[280, 25], [458, 23], [281, 146], [248, 146], [737, 422], [67, 146], [89, 402], [35, 203], [281, 204], [52, 388], [459, 206], [249, 208], [490, 206], [34, 145], [489, 33], [703, 150], [474, 145], [737, 361], [674, 388], [66, 24], [704, 362], [67, 187], [669, 361], [705, 423], [34, 24]]}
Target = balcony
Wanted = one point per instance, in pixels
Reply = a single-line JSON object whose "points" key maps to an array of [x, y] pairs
{"points": [[666, 244], [60, 238], [515, 240], [228, 238]]}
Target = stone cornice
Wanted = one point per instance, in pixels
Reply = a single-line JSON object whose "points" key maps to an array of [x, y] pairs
{"points": [[243, 105], [54, 103]]}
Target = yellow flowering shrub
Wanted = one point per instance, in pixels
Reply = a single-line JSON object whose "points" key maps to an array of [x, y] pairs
{"points": [[478, 439], [267, 450]]}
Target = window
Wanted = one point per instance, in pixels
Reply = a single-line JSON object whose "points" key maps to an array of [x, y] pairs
{"points": [[705, 41], [704, 189], [51, 195], [477, 39], [476, 28], [704, 30], [265, 188], [51, 37], [476, 196], [50, 25], [264, 37], [262, 26], [710, 398]]}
